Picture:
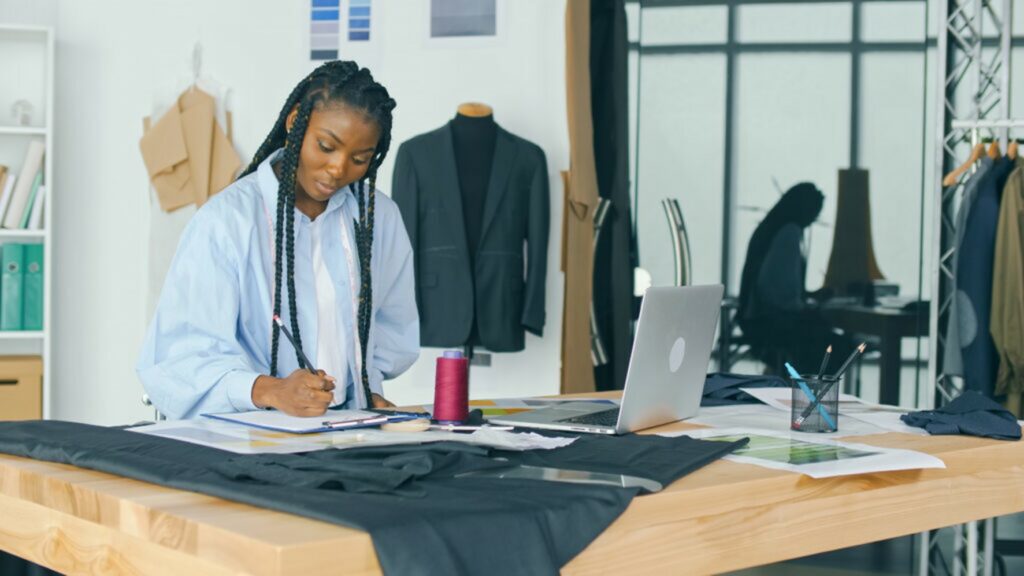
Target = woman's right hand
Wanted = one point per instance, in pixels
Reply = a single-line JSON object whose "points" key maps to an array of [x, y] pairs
{"points": [[302, 393]]}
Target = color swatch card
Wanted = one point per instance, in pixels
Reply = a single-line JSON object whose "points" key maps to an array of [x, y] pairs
{"points": [[324, 28]]}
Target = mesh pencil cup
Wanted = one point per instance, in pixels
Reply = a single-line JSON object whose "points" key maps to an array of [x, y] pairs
{"points": [[815, 404]]}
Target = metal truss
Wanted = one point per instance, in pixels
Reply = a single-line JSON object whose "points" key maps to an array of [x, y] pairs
{"points": [[974, 102]]}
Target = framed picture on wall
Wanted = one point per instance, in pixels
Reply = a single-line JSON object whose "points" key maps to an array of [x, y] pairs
{"points": [[464, 23]]}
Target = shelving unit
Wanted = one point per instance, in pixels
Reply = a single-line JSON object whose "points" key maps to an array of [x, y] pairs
{"points": [[27, 68]]}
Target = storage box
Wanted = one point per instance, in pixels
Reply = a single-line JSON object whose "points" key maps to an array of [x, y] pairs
{"points": [[21, 387]]}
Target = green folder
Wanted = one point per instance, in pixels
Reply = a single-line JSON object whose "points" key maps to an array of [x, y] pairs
{"points": [[27, 213], [33, 287], [11, 286]]}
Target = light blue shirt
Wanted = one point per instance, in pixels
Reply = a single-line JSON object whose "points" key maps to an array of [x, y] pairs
{"points": [[210, 337]]}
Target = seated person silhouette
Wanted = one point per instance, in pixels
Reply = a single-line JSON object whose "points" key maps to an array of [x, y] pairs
{"points": [[778, 321]]}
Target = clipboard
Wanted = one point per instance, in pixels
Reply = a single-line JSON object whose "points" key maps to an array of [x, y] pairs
{"points": [[330, 421]]}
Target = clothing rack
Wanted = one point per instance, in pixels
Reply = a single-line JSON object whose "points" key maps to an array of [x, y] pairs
{"points": [[966, 27]]}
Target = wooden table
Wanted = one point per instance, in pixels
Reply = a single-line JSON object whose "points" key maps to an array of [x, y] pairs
{"points": [[726, 516], [890, 326]]}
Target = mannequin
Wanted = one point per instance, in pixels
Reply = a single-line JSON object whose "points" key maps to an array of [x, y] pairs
{"points": [[474, 198], [473, 136]]}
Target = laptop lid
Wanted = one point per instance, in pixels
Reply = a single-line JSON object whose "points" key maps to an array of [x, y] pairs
{"points": [[667, 368], [671, 350]]}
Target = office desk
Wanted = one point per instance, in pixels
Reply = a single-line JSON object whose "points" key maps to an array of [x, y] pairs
{"points": [[726, 516], [890, 325]]}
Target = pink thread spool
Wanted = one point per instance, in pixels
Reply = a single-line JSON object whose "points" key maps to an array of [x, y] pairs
{"points": [[451, 388]]}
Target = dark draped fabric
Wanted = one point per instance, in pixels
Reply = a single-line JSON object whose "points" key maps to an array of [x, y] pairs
{"points": [[614, 258]]}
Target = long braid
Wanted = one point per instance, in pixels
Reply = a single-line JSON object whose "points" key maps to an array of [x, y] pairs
{"points": [[342, 82], [382, 113], [289, 165], [278, 246]]}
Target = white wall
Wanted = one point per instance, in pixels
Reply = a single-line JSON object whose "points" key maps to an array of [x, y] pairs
{"points": [[116, 56]]}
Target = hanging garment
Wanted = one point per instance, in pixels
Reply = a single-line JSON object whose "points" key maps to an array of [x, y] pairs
{"points": [[614, 259], [974, 282], [952, 357], [451, 288], [1007, 317], [581, 201], [187, 154]]}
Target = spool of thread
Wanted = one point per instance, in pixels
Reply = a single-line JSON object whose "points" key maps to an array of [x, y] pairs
{"points": [[451, 388]]}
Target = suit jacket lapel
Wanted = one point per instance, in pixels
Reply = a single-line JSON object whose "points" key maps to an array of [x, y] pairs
{"points": [[448, 184], [505, 152]]}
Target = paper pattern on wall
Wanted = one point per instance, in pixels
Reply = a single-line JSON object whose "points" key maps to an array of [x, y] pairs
{"points": [[187, 154], [165, 228]]}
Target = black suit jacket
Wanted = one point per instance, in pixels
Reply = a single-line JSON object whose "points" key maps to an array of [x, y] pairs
{"points": [[506, 288]]}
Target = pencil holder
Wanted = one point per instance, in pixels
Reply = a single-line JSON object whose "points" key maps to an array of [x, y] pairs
{"points": [[815, 404]]}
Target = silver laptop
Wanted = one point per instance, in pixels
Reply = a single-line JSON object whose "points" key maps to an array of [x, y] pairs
{"points": [[667, 368]]}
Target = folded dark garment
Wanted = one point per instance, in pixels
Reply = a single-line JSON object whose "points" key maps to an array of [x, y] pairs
{"points": [[721, 389], [971, 414]]}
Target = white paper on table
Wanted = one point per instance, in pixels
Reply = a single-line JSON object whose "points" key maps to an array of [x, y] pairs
{"points": [[281, 422], [817, 458], [769, 418], [242, 439], [500, 439], [518, 405], [235, 437], [890, 421], [782, 399]]}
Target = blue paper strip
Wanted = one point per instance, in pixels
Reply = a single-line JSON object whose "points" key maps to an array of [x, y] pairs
{"points": [[323, 55], [320, 15]]}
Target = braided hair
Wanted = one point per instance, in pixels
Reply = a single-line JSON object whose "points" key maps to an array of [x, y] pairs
{"points": [[336, 82]]}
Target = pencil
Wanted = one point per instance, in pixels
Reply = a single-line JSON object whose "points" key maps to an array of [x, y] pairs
{"points": [[824, 362], [309, 365], [849, 360]]}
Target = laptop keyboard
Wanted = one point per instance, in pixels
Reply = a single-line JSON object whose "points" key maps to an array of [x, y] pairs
{"points": [[608, 417]]}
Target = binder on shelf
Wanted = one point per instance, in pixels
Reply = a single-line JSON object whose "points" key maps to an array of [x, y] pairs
{"points": [[36, 221], [23, 187], [36, 185], [11, 286], [32, 290], [8, 190]]}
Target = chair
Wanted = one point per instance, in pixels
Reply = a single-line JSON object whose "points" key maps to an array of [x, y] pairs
{"points": [[157, 416]]}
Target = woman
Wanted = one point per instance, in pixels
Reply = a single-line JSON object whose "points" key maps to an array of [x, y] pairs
{"points": [[773, 309], [302, 226]]}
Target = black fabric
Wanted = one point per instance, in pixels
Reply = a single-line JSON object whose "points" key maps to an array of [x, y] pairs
{"points": [[11, 565], [970, 413], [723, 389], [614, 256], [473, 141], [406, 497], [503, 287]]}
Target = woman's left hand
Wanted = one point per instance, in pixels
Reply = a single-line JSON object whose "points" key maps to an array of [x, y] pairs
{"points": [[381, 402]]}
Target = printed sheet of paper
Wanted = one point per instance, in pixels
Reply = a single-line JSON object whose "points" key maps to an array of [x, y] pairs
{"points": [[817, 458], [782, 399], [509, 406], [769, 418], [243, 439]]}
